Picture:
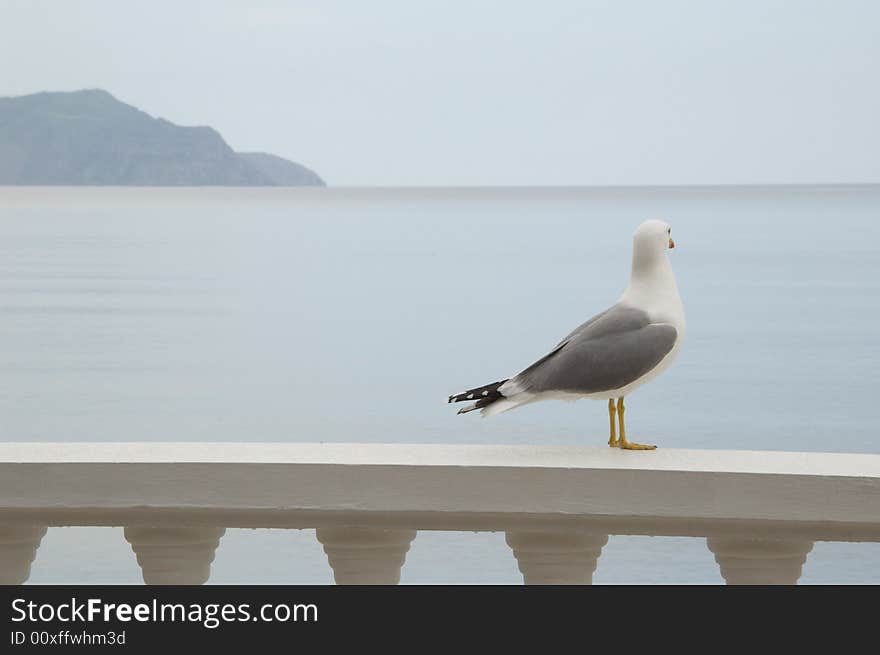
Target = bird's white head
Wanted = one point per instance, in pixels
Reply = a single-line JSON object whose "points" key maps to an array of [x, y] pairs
{"points": [[650, 243], [652, 238]]}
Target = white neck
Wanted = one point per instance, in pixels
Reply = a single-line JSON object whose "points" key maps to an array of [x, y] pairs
{"points": [[652, 287]]}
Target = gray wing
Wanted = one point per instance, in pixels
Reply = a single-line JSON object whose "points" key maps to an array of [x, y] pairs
{"points": [[609, 351]]}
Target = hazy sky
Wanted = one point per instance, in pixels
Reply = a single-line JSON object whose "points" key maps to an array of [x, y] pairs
{"points": [[485, 92]]}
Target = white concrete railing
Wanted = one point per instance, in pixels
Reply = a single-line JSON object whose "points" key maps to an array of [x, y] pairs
{"points": [[760, 512]]}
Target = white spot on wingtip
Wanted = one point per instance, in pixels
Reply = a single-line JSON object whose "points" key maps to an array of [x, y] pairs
{"points": [[486, 393], [469, 396]]}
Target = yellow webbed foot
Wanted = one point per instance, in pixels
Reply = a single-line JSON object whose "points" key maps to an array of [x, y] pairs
{"points": [[622, 442], [629, 445]]}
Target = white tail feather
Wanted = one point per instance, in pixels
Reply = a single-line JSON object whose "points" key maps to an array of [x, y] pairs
{"points": [[504, 404]]}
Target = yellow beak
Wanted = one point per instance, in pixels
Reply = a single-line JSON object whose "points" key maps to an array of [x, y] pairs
{"points": [[671, 243]]}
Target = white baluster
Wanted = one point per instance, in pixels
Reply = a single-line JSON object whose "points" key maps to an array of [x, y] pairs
{"points": [[556, 557], [365, 555], [18, 548], [758, 561], [170, 556]]}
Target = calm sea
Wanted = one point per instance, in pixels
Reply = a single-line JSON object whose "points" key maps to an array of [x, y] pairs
{"points": [[350, 315]]}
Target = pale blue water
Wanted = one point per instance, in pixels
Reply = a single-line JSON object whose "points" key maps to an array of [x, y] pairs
{"points": [[350, 315]]}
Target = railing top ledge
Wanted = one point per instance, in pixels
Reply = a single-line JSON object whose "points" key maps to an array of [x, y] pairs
{"points": [[535, 457], [667, 491]]}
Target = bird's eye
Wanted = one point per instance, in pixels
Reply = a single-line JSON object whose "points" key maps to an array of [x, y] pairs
{"points": [[668, 230]]}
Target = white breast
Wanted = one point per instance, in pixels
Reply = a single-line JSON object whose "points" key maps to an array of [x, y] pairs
{"points": [[656, 293]]}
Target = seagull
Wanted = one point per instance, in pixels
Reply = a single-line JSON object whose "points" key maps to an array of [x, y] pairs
{"points": [[613, 353]]}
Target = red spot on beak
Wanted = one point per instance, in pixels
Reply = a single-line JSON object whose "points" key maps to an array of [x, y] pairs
{"points": [[671, 243]]}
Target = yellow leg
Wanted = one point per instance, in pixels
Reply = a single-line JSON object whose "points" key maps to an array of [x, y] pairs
{"points": [[612, 440], [623, 443]]}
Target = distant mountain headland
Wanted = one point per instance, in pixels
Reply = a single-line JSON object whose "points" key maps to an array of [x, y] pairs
{"points": [[91, 138]]}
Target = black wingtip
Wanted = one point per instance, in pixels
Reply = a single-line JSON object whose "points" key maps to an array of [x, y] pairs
{"points": [[486, 392]]}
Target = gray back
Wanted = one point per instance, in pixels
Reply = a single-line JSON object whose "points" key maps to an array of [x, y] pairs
{"points": [[608, 352]]}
